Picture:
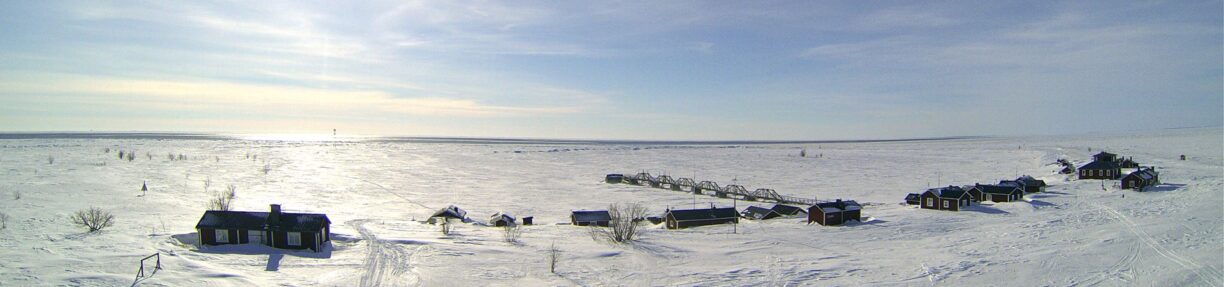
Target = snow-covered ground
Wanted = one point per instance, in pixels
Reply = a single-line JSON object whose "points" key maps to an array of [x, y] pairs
{"points": [[377, 192]]}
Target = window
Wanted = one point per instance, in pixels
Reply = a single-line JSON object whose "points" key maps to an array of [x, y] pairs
{"points": [[946, 205], [255, 237], [930, 202], [294, 239], [222, 235]]}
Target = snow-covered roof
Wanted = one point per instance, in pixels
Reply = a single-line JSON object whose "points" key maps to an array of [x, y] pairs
{"points": [[451, 212]]}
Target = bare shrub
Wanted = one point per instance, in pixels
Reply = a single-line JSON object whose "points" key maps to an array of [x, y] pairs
{"points": [[149, 155], [554, 256], [94, 218], [16, 195], [106, 150], [170, 156], [50, 160], [222, 200], [207, 183], [266, 168], [120, 154], [3, 220], [623, 226], [131, 156], [511, 233]]}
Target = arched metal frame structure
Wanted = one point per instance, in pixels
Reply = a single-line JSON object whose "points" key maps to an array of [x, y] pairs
{"points": [[689, 185]]}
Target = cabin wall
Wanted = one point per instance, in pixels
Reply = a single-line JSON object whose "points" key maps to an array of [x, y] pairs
{"points": [[704, 222], [207, 236], [852, 214], [816, 215]]}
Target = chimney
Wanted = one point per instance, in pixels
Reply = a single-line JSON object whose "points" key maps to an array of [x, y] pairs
{"points": [[274, 215]]}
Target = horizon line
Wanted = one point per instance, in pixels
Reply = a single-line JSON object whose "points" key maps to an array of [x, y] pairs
{"points": [[7, 135]]}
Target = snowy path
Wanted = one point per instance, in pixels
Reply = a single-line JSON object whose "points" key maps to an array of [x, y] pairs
{"points": [[385, 264], [1211, 276]]}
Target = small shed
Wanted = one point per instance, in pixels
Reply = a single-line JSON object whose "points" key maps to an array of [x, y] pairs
{"points": [[1141, 178], [951, 198], [614, 178], [685, 218], [1128, 163], [787, 210], [450, 212], [913, 199], [834, 213], [285, 230], [759, 213], [501, 219], [590, 217], [527, 220]]}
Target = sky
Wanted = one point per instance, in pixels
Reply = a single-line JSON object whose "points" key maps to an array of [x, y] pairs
{"points": [[631, 70]]}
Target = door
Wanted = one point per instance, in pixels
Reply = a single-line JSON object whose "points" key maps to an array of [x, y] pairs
{"points": [[256, 237]]}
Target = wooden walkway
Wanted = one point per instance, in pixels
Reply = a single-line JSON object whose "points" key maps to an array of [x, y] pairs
{"points": [[712, 188]]}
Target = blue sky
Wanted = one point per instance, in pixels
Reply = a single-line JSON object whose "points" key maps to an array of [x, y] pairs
{"points": [[659, 70]]}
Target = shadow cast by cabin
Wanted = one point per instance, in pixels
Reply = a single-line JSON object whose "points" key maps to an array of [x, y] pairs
{"points": [[984, 209], [252, 249], [1164, 187], [274, 262], [1038, 203], [872, 221]]}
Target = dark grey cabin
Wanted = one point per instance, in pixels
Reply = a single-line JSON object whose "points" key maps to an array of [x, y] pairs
{"points": [[759, 213], [685, 218], [590, 217], [278, 229]]}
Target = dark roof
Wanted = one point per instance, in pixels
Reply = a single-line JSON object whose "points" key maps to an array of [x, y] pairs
{"points": [[838, 205], [1100, 165], [757, 212], [998, 188], [912, 196], [451, 212], [787, 209], [1145, 174], [1103, 153], [1011, 183], [259, 220], [501, 215], [704, 213], [1030, 181], [948, 192], [591, 215]]}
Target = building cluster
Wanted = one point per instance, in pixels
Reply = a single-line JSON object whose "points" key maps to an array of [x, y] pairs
{"points": [[290, 230], [1108, 166], [955, 198]]}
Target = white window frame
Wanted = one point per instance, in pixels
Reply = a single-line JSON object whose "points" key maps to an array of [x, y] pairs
{"points": [[930, 202], [293, 238], [946, 205], [221, 235]]}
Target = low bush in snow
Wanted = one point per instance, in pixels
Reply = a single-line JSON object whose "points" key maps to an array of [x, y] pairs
{"points": [[222, 200], [511, 233], [622, 228], [94, 218]]}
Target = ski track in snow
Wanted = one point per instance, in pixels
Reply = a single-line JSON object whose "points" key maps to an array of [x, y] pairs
{"points": [[384, 261], [1212, 276]]}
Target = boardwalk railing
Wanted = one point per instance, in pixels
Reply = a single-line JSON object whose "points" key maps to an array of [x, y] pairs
{"points": [[712, 188]]}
